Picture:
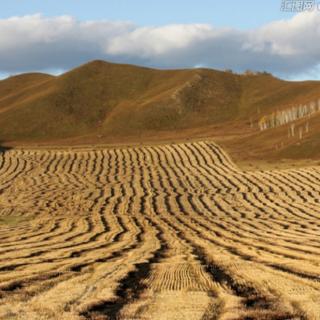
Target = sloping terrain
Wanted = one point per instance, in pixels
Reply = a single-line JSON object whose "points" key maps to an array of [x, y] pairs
{"points": [[105, 103], [159, 232]]}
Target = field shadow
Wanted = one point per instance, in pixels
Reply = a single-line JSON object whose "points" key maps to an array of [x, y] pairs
{"points": [[4, 149]]}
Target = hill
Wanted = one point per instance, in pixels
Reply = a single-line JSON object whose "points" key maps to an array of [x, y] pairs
{"points": [[106, 103]]}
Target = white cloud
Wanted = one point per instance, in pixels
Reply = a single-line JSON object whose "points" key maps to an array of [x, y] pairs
{"points": [[155, 41], [286, 48]]}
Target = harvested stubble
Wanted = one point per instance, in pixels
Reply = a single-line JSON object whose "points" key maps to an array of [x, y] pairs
{"points": [[159, 232]]}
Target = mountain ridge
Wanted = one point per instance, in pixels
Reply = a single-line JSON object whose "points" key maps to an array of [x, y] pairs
{"points": [[102, 102]]}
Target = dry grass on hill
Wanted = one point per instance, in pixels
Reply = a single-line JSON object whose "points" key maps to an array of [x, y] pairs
{"points": [[105, 103]]}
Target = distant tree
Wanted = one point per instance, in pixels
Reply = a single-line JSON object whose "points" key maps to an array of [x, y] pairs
{"points": [[266, 73]]}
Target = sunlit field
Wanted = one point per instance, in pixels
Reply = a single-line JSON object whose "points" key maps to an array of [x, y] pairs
{"points": [[172, 231]]}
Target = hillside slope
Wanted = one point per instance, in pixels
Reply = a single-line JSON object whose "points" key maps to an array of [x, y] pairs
{"points": [[102, 102]]}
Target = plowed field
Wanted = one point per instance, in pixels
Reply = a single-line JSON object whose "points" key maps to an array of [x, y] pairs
{"points": [[156, 232]]}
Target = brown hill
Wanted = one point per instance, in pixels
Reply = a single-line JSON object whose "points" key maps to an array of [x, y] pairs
{"points": [[102, 102]]}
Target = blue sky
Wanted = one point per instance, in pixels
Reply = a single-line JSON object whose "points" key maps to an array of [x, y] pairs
{"points": [[55, 36], [232, 13]]}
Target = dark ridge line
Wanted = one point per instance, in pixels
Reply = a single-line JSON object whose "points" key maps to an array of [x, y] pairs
{"points": [[129, 289]]}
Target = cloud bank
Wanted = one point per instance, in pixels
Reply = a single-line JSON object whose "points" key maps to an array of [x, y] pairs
{"points": [[286, 48]]}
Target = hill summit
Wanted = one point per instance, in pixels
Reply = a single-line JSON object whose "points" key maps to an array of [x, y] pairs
{"points": [[106, 103]]}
